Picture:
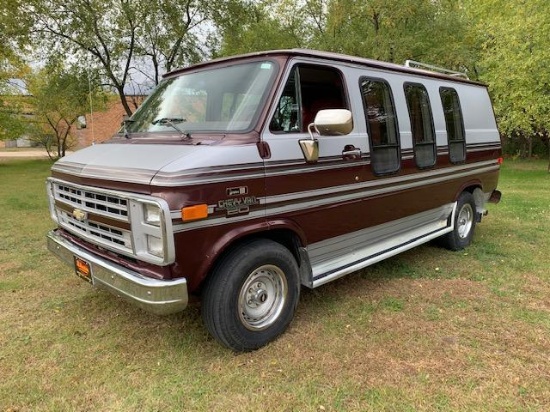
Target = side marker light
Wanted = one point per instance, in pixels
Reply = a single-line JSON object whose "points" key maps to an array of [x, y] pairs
{"points": [[194, 212]]}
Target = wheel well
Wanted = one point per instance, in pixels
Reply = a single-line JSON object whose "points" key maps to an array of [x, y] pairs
{"points": [[479, 197], [286, 238]]}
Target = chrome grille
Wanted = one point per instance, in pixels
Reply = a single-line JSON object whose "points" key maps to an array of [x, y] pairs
{"points": [[100, 233], [90, 201], [97, 205], [117, 221]]}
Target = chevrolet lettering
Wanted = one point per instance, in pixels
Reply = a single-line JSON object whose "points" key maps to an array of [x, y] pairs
{"points": [[241, 180]]}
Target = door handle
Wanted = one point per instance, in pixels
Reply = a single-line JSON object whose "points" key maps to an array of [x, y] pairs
{"points": [[351, 152]]}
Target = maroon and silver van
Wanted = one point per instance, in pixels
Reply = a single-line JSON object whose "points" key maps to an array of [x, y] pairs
{"points": [[241, 179]]}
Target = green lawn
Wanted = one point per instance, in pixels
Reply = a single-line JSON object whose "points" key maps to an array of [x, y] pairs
{"points": [[427, 330]]}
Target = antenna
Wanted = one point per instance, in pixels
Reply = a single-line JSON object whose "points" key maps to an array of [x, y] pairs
{"points": [[437, 69], [91, 108]]}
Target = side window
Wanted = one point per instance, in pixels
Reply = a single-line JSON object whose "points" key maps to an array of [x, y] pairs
{"points": [[286, 119], [454, 124], [309, 88], [382, 125], [422, 128]]}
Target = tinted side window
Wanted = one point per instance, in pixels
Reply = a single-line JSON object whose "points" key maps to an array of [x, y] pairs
{"points": [[454, 124], [382, 125], [420, 114]]}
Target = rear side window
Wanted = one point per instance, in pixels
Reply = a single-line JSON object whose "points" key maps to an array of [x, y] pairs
{"points": [[454, 124], [420, 115], [382, 125]]}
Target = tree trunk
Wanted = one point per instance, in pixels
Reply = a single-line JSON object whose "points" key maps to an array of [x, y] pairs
{"points": [[123, 100]]}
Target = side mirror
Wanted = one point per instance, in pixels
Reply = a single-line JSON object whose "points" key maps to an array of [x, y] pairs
{"points": [[333, 122], [329, 122], [310, 149]]}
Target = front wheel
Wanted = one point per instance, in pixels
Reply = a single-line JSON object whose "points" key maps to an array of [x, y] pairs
{"points": [[251, 296], [464, 224]]}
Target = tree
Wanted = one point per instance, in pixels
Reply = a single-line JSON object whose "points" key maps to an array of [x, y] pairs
{"points": [[166, 37], [12, 125], [11, 68], [514, 62], [124, 39], [59, 97], [428, 30], [258, 25]]}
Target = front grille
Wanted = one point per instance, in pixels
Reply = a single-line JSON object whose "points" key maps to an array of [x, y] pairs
{"points": [[117, 221], [103, 211], [90, 201]]}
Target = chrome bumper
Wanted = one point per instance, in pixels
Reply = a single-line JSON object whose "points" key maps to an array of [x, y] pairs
{"points": [[161, 297]]}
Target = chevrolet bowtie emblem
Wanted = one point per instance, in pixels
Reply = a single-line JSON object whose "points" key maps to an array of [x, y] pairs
{"points": [[79, 215]]}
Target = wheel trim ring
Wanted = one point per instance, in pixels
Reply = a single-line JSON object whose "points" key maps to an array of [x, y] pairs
{"points": [[465, 221], [262, 297]]}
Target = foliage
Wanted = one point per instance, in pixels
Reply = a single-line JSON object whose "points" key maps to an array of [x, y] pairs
{"points": [[514, 62], [12, 125], [431, 31], [254, 26], [395, 31], [127, 41], [60, 96]]}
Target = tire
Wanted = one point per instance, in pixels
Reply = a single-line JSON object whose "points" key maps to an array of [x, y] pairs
{"points": [[464, 224], [251, 296]]}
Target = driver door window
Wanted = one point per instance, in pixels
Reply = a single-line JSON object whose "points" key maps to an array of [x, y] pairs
{"points": [[308, 89]]}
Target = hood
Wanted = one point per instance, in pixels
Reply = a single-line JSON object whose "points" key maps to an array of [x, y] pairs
{"points": [[126, 163]]}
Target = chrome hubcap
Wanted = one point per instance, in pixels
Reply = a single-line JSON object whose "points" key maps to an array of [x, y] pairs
{"points": [[262, 297], [465, 221]]}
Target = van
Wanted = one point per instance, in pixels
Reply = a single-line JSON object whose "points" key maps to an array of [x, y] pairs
{"points": [[242, 179]]}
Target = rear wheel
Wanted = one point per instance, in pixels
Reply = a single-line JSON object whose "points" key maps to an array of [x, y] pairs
{"points": [[464, 224], [251, 296]]}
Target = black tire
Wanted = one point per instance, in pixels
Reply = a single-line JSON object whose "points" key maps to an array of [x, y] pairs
{"points": [[464, 224], [251, 296]]}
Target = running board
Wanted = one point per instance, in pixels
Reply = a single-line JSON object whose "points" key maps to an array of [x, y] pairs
{"points": [[372, 245]]}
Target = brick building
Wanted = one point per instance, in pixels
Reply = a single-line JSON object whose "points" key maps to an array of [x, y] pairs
{"points": [[102, 125], [96, 128]]}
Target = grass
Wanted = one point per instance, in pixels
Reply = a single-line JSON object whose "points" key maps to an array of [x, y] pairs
{"points": [[427, 330]]}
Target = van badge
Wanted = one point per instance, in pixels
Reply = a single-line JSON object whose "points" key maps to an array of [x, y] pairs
{"points": [[79, 215], [237, 205]]}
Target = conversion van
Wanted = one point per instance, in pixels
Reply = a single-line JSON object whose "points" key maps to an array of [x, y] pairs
{"points": [[242, 179]]}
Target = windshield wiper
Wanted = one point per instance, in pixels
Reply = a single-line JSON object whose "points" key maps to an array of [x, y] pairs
{"points": [[172, 121], [125, 122]]}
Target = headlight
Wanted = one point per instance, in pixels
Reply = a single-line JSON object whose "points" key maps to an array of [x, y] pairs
{"points": [[152, 214], [152, 234], [155, 246], [51, 201]]}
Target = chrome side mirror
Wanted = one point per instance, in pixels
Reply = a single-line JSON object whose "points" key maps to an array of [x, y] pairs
{"points": [[310, 147]]}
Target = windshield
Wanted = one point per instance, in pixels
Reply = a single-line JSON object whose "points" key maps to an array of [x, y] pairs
{"points": [[226, 99]]}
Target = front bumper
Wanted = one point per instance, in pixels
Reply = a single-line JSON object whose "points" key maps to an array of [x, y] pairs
{"points": [[161, 297]]}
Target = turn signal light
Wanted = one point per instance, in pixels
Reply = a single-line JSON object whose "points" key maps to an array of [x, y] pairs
{"points": [[500, 160], [194, 212]]}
